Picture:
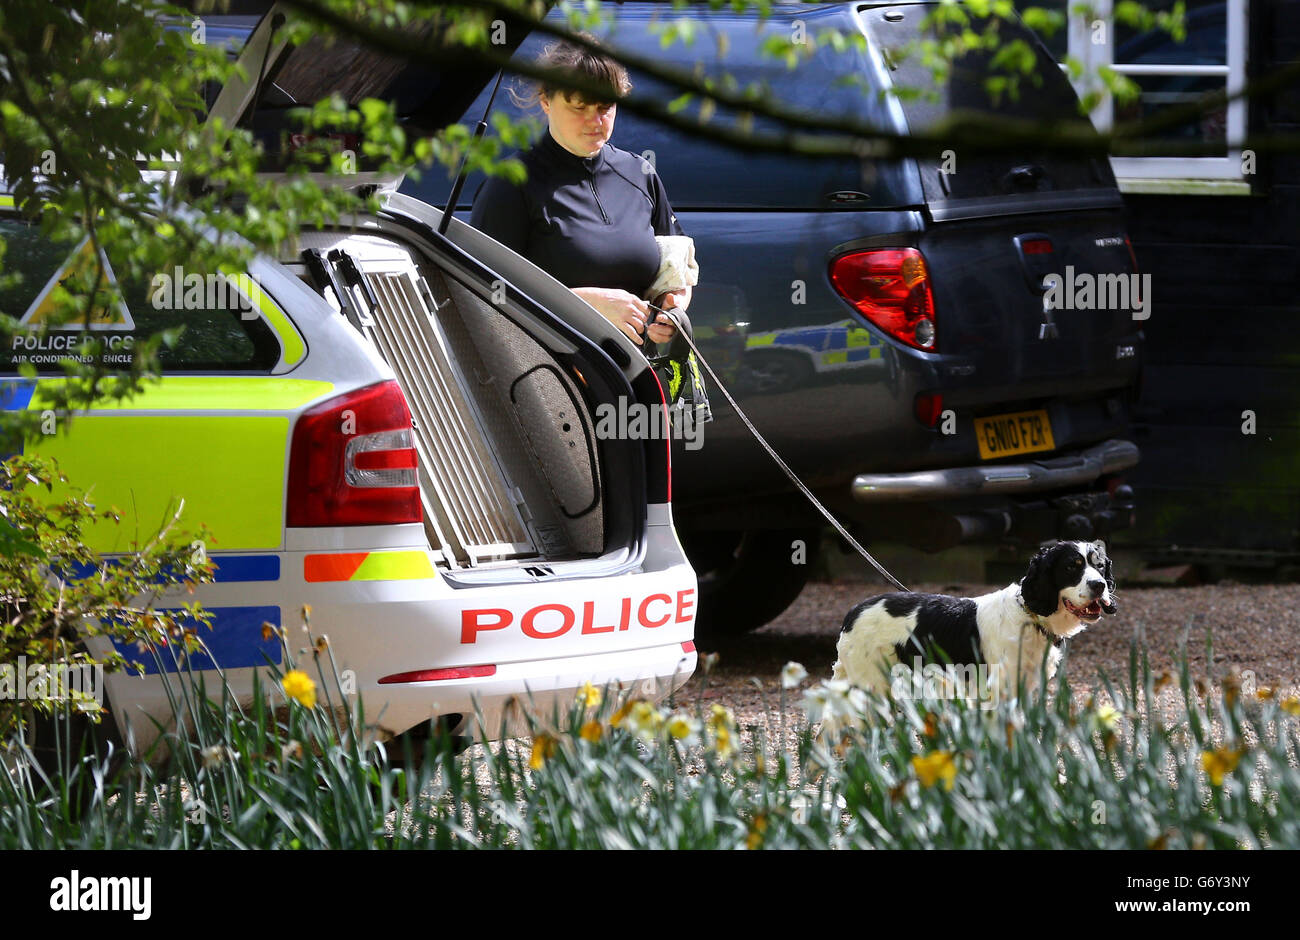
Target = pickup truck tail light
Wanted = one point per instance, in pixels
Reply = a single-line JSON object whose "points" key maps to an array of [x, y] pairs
{"points": [[891, 288], [353, 461]]}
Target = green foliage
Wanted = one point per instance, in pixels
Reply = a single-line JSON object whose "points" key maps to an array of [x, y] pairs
{"points": [[106, 138], [1111, 772], [53, 588]]}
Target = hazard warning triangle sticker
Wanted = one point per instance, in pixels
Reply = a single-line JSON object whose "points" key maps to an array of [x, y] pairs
{"points": [[102, 317]]}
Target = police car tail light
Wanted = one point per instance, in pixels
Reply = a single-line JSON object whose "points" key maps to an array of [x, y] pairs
{"points": [[891, 288], [353, 461]]}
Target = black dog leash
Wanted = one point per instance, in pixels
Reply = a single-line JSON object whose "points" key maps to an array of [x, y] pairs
{"points": [[773, 454]]}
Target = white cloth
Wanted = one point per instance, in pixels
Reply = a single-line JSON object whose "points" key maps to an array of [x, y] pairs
{"points": [[677, 265]]}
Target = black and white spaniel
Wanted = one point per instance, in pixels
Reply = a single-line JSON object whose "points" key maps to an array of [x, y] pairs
{"points": [[1007, 633]]}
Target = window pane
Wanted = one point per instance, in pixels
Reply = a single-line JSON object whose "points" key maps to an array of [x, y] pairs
{"points": [[219, 332], [1159, 92], [1206, 42]]}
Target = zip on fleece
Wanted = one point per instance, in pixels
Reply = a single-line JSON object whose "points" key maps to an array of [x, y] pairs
{"points": [[594, 195]]}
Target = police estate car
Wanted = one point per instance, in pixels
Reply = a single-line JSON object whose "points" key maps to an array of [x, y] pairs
{"points": [[396, 427]]}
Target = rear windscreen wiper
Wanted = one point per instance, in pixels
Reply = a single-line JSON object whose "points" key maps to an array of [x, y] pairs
{"points": [[323, 274], [347, 266]]}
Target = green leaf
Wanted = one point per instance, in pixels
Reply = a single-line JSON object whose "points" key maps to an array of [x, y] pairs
{"points": [[13, 544]]}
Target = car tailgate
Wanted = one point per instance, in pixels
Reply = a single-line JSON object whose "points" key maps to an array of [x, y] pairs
{"points": [[991, 307]]}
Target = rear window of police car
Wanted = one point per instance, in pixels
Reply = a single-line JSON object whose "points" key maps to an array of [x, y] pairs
{"points": [[220, 333]]}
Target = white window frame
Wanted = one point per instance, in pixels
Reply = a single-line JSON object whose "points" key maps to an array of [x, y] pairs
{"points": [[1133, 171]]}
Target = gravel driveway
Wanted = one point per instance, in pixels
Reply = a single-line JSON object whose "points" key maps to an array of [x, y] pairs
{"points": [[1255, 627]]}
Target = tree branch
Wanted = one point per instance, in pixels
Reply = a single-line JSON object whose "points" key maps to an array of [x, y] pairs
{"points": [[973, 132]]}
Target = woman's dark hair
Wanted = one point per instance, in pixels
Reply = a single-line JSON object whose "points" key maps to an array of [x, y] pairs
{"points": [[594, 68]]}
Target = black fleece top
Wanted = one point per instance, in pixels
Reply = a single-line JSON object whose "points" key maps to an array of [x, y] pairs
{"points": [[586, 221]]}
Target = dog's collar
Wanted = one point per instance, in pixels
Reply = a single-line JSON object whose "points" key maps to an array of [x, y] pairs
{"points": [[1037, 621]]}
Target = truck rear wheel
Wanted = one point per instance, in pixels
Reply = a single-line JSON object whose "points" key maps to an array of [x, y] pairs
{"points": [[748, 578]]}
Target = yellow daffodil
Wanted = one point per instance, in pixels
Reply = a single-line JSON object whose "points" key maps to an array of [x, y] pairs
{"points": [[757, 828], [1291, 705], [543, 749], [616, 720], [645, 721], [589, 695], [298, 686], [722, 726], [935, 766], [1108, 717], [1264, 693], [683, 728], [591, 731], [1220, 762]]}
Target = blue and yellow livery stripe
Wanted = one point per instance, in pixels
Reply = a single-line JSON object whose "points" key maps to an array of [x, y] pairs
{"points": [[17, 395], [244, 568], [235, 641], [227, 569]]}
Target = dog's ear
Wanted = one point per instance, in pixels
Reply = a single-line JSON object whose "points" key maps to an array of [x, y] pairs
{"points": [[1106, 567], [1037, 587]]}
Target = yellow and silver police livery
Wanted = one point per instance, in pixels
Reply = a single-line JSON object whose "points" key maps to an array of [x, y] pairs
{"points": [[393, 428]]}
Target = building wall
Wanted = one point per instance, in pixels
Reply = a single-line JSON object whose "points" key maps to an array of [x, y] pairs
{"points": [[1224, 338]]}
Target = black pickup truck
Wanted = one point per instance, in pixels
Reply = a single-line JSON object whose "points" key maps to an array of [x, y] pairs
{"points": [[945, 349]]}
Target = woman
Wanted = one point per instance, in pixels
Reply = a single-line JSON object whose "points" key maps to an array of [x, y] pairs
{"points": [[589, 212]]}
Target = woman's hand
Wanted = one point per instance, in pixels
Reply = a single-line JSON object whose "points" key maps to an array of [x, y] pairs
{"points": [[662, 330], [626, 311]]}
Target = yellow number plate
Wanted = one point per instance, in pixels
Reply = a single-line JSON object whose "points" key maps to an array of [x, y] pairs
{"points": [[1021, 433]]}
